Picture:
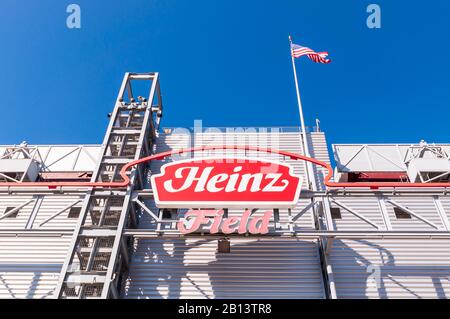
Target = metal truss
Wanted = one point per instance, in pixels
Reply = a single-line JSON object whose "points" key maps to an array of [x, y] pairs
{"points": [[97, 262], [22, 151], [65, 158], [419, 151]]}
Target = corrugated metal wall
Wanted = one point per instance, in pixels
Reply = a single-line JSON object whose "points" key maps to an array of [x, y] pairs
{"points": [[60, 158], [370, 207], [319, 150], [265, 268], [406, 268], [365, 206], [191, 268], [44, 207], [30, 265]]}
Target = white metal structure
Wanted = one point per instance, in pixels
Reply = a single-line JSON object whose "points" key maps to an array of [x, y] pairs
{"points": [[30, 264], [84, 242]]}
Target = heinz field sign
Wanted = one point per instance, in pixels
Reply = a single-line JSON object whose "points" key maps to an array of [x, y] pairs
{"points": [[226, 183]]}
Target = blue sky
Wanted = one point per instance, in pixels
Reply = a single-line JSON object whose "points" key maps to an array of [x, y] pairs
{"points": [[227, 63]]}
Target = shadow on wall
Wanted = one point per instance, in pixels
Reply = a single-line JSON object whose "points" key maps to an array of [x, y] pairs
{"points": [[22, 281], [257, 269], [271, 269], [253, 269], [376, 274]]}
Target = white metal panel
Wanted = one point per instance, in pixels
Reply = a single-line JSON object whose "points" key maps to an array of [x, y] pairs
{"points": [[445, 202], [366, 206], [15, 165], [67, 158], [170, 142], [422, 206], [29, 266], [319, 150], [20, 220], [370, 157], [191, 268], [87, 158], [408, 268], [50, 205], [61, 158]]}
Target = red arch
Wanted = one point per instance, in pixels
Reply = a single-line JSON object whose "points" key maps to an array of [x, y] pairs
{"points": [[159, 156]]}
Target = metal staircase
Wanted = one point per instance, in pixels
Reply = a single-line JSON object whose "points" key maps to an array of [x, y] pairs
{"points": [[97, 262]]}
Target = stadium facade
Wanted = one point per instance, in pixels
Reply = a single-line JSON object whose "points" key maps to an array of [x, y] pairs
{"points": [[82, 221]]}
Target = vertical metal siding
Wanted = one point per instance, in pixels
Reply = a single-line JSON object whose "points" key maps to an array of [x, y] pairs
{"points": [[445, 202], [52, 204], [365, 206], [423, 206], [20, 221], [30, 265], [264, 268], [408, 268], [368, 207], [191, 268], [319, 150]]}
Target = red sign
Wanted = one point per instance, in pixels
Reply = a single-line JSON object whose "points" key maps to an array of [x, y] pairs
{"points": [[226, 183], [195, 219]]}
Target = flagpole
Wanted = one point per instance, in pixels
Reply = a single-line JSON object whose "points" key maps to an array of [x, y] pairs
{"points": [[302, 120]]}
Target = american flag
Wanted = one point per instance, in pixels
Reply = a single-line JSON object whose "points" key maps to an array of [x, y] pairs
{"points": [[318, 57]]}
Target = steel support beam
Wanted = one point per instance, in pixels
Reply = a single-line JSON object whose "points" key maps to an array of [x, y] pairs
{"points": [[97, 241]]}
